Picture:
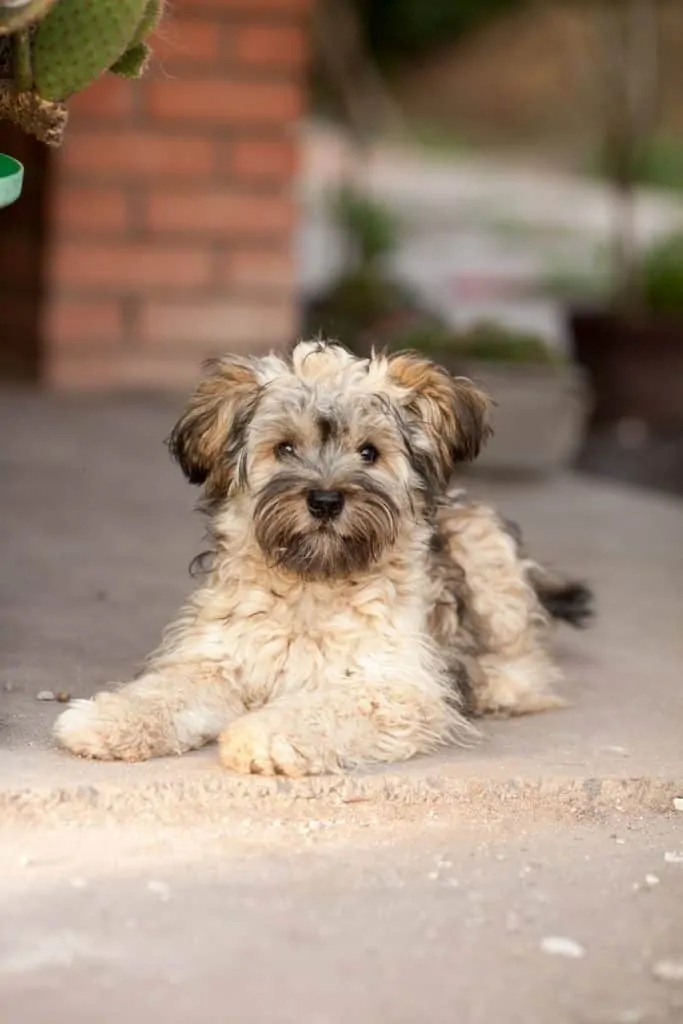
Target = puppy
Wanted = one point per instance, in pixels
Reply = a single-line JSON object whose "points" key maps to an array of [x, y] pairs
{"points": [[355, 610]]}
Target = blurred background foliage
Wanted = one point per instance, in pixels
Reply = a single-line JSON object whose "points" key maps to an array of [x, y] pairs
{"points": [[397, 31]]}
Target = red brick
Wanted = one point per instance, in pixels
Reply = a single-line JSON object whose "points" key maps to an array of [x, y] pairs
{"points": [[76, 323], [134, 267], [109, 98], [83, 210], [82, 371], [219, 212], [270, 46], [262, 158], [181, 40], [129, 153], [106, 370], [223, 101], [246, 6], [253, 269], [222, 323], [169, 370]]}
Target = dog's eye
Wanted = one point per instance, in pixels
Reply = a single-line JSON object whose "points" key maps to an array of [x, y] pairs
{"points": [[368, 453], [283, 449]]}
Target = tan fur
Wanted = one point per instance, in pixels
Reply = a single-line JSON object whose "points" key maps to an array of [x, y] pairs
{"points": [[314, 646], [504, 627]]}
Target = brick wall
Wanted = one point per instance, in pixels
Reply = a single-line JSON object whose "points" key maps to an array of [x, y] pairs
{"points": [[170, 209]]}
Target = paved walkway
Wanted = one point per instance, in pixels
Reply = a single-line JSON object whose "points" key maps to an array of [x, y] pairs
{"points": [[399, 895]]}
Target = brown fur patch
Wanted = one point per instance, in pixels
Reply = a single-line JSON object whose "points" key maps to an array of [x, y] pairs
{"points": [[451, 413], [208, 437]]}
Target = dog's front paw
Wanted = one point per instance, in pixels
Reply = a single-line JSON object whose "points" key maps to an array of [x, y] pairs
{"points": [[83, 729], [255, 745], [108, 728]]}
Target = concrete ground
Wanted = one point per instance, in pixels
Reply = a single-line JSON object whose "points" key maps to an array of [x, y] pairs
{"points": [[434, 891]]}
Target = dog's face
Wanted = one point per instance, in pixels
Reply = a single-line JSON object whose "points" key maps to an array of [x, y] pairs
{"points": [[331, 456]]}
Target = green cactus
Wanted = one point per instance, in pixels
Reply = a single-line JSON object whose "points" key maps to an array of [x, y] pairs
{"points": [[78, 40], [59, 47], [133, 62], [149, 21]]}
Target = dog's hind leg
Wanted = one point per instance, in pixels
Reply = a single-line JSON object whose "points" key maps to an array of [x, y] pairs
{"points": [[510, 626]]}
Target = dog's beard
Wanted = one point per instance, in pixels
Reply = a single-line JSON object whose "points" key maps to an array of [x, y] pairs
{"points": [[291, 539]]}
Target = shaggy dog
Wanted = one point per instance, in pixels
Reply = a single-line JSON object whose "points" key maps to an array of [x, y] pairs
{"points": [[355, 610]]}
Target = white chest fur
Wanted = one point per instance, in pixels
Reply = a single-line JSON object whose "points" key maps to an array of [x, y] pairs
{"points": [[280, 634]]}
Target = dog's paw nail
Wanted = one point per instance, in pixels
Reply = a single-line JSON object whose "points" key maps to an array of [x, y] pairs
{"points": [[251, 748]]}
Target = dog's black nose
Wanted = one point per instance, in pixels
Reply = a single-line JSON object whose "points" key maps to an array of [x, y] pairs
{"points": [[325, 504]]}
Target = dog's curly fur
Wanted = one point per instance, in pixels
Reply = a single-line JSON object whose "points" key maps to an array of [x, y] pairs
{"points": [[356, 610]]}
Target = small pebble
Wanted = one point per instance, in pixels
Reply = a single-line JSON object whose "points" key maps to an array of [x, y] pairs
{"points": [[25, 860], [651, 881], [160, 889], [63, 697], [673, 857], [45, 695], [620, 842], [668, 970], [560, 945], [678, 803]]}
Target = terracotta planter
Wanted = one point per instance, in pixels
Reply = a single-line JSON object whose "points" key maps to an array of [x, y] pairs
{"points": [[540, 415], [635, 367]]}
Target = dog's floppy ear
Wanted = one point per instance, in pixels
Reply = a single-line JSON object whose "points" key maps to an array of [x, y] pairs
{"points": [[449, 416], [208, 436]]}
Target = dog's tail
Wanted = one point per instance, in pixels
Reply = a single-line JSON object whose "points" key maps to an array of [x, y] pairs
{"points": [[566, 600]]}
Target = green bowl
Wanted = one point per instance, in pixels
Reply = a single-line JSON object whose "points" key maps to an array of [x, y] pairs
{"points": [[11, 179]]}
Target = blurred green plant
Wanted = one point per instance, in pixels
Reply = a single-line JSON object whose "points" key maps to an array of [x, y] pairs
{"points": [[370, 229], [485, 341], [494, 342], [657, 163], [659, 271], [401, 29], [366, 306], [589, 285], [364, 297], [662, 276]]}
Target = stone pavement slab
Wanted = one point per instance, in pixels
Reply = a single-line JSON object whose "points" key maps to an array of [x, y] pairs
{"points": [[97, 534], [326, 921]]}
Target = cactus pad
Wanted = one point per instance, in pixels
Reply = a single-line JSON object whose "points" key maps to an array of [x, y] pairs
{"points": [[78, 40]]}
